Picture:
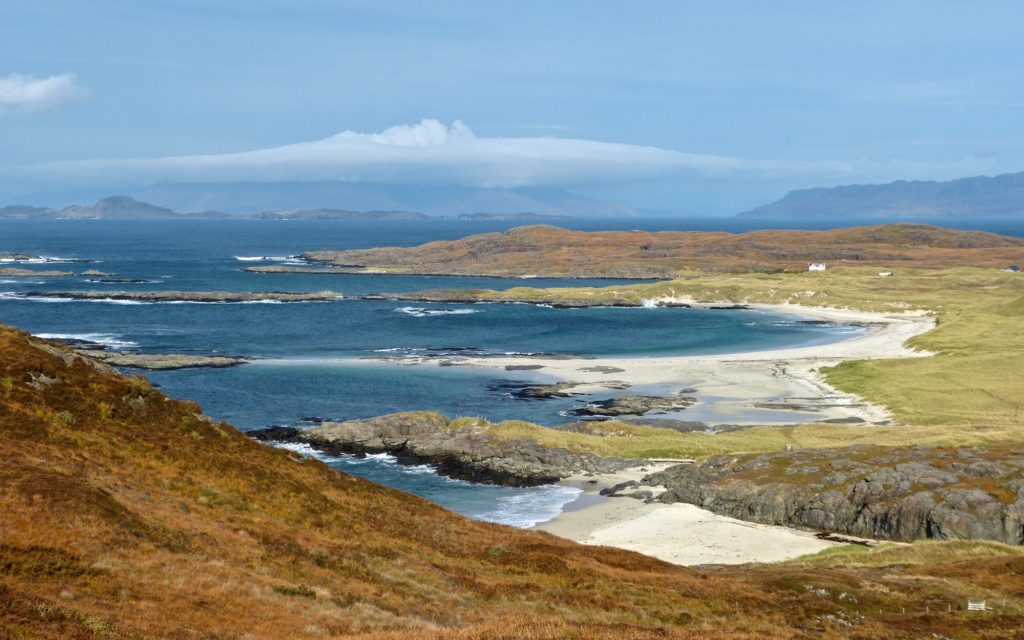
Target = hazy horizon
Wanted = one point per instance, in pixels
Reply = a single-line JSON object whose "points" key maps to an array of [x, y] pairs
{"points": [[673, 107]]}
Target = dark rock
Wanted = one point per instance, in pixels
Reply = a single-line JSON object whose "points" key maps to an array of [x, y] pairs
{"points": [[160, 361], [634, 405], [523, 367], [189, 296], [275, 434], [898, 493], [467, 453], [602, 369], [527, 391]]}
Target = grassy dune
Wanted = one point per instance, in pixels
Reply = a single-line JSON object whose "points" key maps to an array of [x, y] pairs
{"points": [[970, 391], [918, 553]]}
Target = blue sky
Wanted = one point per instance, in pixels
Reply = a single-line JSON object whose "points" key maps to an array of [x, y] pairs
{"points": [[710, 107]]}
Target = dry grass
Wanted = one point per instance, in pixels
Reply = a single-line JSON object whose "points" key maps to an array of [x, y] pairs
{"points": [[917, 553], [970, 392], [551, 251], [125, 514]]}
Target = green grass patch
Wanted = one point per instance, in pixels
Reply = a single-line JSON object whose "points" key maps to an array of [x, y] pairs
{"points": [[970, 392]]}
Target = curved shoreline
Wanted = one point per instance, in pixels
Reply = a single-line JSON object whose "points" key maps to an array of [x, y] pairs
{"points": [[686, 534], [740, 380]]}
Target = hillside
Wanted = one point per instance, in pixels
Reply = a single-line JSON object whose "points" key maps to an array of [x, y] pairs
{"points": [[126, 514], [543, 250], [979, 197]]}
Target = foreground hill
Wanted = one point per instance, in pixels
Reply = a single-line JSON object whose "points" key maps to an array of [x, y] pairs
{"points": [[552, 251], [979, 197], [126, 514]]}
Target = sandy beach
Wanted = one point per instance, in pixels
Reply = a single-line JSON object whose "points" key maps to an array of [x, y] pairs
{"points": [[757, 387], [686, 534], [781, 386], [677, 533]]}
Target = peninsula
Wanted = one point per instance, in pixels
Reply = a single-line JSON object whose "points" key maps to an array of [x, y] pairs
{"points": [[547, 251]]}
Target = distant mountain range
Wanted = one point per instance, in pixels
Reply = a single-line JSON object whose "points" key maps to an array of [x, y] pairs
{"points": [[251, 198], [979, 197], [112, 208], [126, 208]]}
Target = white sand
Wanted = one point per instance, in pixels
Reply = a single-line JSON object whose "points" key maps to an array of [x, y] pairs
{"points": [[686, 534], [730, 385], [677, 533]]}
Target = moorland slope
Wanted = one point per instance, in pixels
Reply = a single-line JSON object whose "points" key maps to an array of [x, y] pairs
{"points": [[128, 514]]}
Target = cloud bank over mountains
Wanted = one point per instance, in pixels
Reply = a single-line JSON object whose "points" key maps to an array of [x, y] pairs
{"points": [[28, 93], [429, 152]]}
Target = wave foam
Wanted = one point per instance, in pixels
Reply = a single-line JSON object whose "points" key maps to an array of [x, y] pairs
{"points": [[422, 312], [290, 259], [532, 506], [112, 340], [42, 260], [523, 509]]}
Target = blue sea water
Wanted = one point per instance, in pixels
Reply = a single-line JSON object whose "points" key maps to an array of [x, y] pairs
{"points": [[310, 354]]}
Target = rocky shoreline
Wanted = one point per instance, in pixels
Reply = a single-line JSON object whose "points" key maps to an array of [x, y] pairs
{"points": [[14, 272], [465, 451], [187, 296], [160, 361], [458, 296], [890, 493]]}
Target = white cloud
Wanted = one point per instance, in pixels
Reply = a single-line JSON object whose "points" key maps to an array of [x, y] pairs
{"points": [[20, 92], [427, 153]]}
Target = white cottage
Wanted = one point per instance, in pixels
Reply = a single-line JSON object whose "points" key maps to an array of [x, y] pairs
{"points": [[816, 266]]}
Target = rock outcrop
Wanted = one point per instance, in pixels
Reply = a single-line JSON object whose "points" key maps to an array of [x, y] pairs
{"points": [[189, 296], [160, 361], [14, 272], [463, 452], [634, 406], [901, 493]]}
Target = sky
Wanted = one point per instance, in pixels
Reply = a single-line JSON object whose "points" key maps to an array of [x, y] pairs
{"points": [[706, 107]]}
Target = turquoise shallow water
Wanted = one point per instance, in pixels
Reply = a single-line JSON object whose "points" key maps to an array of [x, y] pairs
{"points": [[310, 351]]}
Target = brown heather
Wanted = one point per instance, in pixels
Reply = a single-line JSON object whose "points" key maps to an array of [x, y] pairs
{"points": [[552, 251], [124, 514]]}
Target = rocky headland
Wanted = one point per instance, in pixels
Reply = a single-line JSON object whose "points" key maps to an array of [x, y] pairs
{"points": [[457, 449], [893, 493]]}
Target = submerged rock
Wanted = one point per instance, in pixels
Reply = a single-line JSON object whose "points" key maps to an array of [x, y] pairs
{"points": [[468, 452]]}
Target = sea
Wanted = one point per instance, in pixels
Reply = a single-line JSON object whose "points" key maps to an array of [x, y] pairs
{"points": [[321, 360]]}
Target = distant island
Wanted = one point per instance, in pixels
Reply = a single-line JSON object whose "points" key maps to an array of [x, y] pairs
{"points": [[525, 216], [980, 197], [127, 208], [339, 214]]}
